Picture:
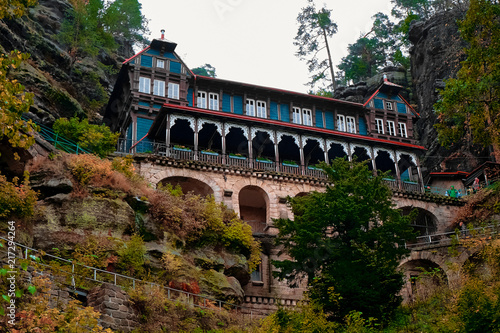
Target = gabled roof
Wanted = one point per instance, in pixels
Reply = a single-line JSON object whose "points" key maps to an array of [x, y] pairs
{"points": [[392, 88]]}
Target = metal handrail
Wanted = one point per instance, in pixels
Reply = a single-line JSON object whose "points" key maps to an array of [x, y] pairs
{"points": [[170, 291], [438, 238]]}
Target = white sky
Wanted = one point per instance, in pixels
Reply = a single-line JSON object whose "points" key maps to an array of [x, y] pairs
{"points": [[252, 40]]}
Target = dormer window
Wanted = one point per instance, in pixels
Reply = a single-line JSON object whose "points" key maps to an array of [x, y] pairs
{"points": [[250, 107], [261, 109], [160, 63], [201, 101], [213, 101], [388, 106]]}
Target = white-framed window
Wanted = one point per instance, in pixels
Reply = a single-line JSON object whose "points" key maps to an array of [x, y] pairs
{"points": [[173, 90], [402, 130], [351, 124], [391, 130], [296, 116], [379, 126], [201, 101], [145, 85], [213, 101], [261, 109], [307, 117], [340, 123], [160, 63], [388, 105], [159, 88], [250, 107]]}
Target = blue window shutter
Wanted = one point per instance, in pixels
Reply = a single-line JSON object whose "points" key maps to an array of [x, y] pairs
{"points": [[190, 97], [226, 102], [157, 106], [329, 123], [143, 126], [285, 112], [401, 108], [362, 126], [319, 118], [146, 61], [238, 104], [153, 52], [146, 104], [379, 104], [175, 67], [273, 111]]}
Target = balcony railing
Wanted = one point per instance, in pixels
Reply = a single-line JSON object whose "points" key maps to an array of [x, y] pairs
{"points": [[241, 161]]}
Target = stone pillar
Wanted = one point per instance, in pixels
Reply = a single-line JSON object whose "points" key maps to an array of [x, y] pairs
{"points": [[115, 307]]}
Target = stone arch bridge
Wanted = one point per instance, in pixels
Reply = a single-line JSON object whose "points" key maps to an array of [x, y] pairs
{"points": [[260, 196]]}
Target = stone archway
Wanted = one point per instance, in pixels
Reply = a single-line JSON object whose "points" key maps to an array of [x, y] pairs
{"points": [[425, 223], [189, 185], [422, 278], [254, 207]]}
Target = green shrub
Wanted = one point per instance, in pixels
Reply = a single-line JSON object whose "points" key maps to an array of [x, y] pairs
{"points": [[97, 138], [131, 256]]}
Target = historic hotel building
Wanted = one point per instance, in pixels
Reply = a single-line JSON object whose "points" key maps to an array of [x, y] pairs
{"points": [[161, 107]]}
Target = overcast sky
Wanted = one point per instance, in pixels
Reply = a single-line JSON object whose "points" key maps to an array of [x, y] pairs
{"points": [[252, 40]]}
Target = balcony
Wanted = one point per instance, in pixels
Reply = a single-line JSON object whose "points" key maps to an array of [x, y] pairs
{"points": [[240, 161]]}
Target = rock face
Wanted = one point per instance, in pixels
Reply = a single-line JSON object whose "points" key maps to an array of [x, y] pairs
{"points": [[60, 90], [435, 56]]}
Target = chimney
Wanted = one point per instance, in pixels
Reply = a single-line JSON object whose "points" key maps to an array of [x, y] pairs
{"points": [[162, 33]]}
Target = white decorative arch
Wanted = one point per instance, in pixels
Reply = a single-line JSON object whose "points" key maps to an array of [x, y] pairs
{"points": [[228, 126], [294, 136], [191, 120], [392, 156], [413, 158], [319, 140], [218, 124], [254, 131], [368, 150], [344, 145]]}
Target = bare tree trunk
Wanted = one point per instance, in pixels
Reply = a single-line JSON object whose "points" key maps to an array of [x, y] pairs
{"points": [[332, 73]]}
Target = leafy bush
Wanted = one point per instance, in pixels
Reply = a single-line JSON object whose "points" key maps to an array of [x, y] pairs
{"points": [[306, 318], [98, 139], [16, 200], [131, 256]]}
